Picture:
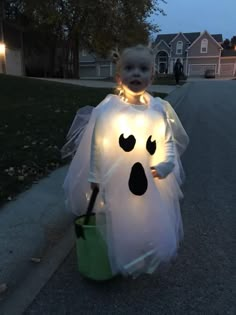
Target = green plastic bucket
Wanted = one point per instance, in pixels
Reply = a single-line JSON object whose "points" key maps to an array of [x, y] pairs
{"points": [[91, 251]]}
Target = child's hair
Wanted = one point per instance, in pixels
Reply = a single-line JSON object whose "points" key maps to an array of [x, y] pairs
{"points": [[117, 59]]}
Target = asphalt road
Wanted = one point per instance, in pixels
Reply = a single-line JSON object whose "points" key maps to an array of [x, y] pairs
{"points": [[202, 278]]}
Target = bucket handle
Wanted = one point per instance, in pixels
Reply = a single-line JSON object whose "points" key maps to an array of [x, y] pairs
{"points": [[79, 228], [91, 204]]}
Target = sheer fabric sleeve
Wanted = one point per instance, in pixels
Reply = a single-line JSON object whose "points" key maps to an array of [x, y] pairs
{"points": [[94, 170], [166, 140]]}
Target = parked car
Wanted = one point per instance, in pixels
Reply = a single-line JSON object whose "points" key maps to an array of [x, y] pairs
{"points": [[210, 74]]}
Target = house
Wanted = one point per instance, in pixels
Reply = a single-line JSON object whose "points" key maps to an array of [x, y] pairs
{"points": [[198, 52], [228, 63], [12, 63], [93, 66], [11, 57]]}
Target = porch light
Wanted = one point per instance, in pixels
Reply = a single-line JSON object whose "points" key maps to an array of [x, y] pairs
{"points": [[2, 49]]}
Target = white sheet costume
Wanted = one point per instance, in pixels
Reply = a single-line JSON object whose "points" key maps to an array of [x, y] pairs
{"points": [[139, 216]]}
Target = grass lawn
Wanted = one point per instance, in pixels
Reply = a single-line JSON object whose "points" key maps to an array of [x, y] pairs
{"points": [[35, 116]]}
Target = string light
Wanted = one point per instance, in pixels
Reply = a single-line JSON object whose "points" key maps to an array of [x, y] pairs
{"points": [[121, 93]]}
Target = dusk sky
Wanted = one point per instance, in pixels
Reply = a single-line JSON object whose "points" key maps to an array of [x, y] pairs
{"points": [[185, 16]]}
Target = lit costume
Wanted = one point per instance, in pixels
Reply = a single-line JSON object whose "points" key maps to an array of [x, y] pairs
{"points": [[138, 215]]}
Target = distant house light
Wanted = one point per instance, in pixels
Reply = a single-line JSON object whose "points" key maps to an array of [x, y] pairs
{"points": [[2, 49]]}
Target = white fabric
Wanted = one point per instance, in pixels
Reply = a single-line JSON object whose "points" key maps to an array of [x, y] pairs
{"points": [[76, 130], [141, 231], [116, 118], [180, 136]]}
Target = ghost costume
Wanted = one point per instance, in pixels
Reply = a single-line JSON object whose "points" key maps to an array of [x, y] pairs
{"points": [[138, 215]]}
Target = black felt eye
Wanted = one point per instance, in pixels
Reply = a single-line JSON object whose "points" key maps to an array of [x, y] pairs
{"points": [[127, 144], [151, 146]]}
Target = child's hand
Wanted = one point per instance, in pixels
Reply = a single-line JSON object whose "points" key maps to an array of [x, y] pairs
{"points": [[155, 174], [162, 170]]}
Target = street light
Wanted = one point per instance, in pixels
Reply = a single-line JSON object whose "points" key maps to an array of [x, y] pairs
{"points": [[3, 56]]}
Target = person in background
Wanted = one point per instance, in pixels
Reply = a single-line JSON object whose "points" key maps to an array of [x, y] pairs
{"points": [[178, 70]]}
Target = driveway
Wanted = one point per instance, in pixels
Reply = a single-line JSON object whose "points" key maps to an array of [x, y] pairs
{"points": [[202, 278]]}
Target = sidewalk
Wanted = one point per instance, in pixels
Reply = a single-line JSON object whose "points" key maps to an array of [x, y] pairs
{"points": [[36, 225], [105, 84]]}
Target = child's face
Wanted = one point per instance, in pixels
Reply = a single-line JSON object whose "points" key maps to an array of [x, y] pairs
{"points": [[136, 71]]}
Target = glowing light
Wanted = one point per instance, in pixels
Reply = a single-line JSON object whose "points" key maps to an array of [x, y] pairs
{"points": [[160, 130], [142, 100], [141, 144], [140, 122], [123, 125], [125, 94], [105, 142], [2, 49]]}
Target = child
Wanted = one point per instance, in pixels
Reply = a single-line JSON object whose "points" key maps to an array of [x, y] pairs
{"points": [[130, 149]]}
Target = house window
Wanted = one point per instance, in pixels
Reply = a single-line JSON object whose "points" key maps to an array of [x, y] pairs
{"points": [[84, 53], [179, 48], [204, 46]]}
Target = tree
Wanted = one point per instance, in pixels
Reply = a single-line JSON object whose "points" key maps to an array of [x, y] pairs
{"points": [[226, 44], [96, 25], [233, 42]]}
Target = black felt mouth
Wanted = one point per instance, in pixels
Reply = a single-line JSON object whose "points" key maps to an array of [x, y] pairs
{"points": [[138, 183]]}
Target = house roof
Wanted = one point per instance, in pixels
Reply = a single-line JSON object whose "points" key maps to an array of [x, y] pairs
{"points": [[190, 36], [91, 57], [101, 59], [164, 42], [218, 38], [179, 34], [98, 58], [202, 34]]}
